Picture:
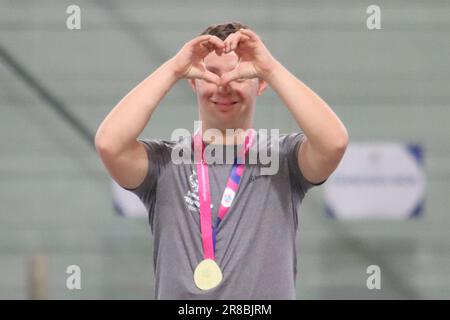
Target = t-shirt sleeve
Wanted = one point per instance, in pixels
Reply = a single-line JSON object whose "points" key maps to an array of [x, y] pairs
{"points": [[292, 144], [158, 154]]}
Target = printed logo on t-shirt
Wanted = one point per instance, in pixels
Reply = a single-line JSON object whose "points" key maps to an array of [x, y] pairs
{"points": [[191, 197]]}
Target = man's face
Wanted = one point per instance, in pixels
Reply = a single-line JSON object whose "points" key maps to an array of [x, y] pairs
{"points": [[229, 106]]}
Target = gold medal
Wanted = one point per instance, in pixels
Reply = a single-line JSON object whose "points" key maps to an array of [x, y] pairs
{"points": [[207, 275]]}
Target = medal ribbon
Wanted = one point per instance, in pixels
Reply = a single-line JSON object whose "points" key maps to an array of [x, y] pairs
{"points": [[206, 228]]}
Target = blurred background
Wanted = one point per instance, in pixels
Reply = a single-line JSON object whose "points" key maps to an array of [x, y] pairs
{"points": [[57, 85]]}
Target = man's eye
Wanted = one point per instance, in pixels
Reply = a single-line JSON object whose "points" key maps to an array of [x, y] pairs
{"points": [[240, 80]]}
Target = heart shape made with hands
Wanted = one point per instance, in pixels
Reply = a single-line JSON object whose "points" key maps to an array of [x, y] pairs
{"points": [[250, 50]]}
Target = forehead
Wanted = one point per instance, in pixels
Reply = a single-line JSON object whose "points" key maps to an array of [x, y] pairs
{"points": [[225, 62]]}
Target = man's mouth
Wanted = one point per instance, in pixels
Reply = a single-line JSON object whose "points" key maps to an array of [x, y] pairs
{"points": [[225, 103]]}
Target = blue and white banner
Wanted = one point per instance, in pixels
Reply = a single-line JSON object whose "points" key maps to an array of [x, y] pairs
{"points": [[377, 180]]}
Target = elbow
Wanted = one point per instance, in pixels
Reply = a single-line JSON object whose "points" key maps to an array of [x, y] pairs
{"points": [[341, 143], [99, 140], [110, 147], [101, 148], [342, 140], [103, 144], [336, 144]]}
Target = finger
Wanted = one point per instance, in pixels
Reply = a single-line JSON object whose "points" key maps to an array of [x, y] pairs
{"points": [[202, 43], [230, 76], [216, 42], [208, 47], [200, 39], [252, 35], [227, 42], [240, 38], [232, 40], [213, 44], [210, 77]]}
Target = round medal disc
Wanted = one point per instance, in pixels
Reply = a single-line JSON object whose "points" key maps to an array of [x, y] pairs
{"points": [[207, 275]]}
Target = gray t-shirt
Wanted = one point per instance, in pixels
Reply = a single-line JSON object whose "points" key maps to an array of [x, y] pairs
{"points": [[255, 245]]}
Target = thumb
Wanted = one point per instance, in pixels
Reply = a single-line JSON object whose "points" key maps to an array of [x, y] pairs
{"points": [[210, 77], [230, 76]]}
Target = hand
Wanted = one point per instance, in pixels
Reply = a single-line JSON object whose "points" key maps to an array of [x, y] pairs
{"points": [[255, 61], [188, 62]]}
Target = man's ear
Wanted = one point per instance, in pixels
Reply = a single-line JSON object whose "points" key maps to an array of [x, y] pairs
{"points": [[262, 85], [192, 84]]}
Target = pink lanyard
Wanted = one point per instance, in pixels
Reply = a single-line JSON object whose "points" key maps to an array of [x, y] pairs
{"points": [[207, 231]]}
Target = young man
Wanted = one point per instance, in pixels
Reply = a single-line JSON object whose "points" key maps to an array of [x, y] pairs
{"points": [[240, 245]]}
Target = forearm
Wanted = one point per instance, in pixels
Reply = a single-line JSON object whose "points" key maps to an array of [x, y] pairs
{"points": [[324, 129], [127, 120]]}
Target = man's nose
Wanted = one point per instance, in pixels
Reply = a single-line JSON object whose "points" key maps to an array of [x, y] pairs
{"points": [[223, 89]]}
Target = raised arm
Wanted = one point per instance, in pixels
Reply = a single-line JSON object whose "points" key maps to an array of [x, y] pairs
{"points": [[116, 142], [326, 136]]}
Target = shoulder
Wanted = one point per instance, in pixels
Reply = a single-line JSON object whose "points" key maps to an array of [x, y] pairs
{"points": [[165, 151]]}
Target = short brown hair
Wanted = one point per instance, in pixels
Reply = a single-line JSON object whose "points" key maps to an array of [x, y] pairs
{"points": [[223, 30]]}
